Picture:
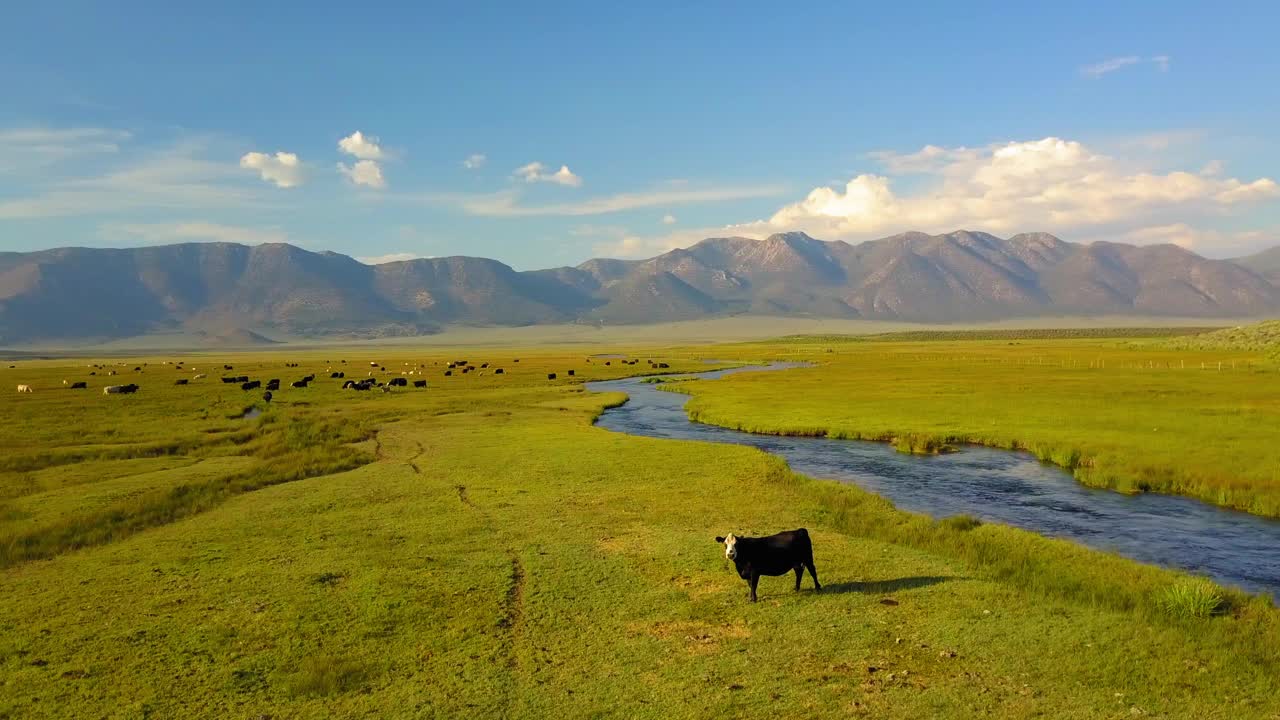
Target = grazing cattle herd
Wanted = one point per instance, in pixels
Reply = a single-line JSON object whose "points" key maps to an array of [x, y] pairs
{"points": [[463, 367]]}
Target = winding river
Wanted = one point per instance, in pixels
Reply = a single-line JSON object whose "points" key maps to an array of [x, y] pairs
{"points": [[1014, 488]]}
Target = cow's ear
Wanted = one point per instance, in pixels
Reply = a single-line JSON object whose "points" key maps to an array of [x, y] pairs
{"points": [[720, 540]]}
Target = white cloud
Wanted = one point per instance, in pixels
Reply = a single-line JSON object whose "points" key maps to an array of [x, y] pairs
{"points": [[364, 172], [668, 219], [616, 242], [507, 203], [361, 146], [1213, 242], [930, 158], [391, 257], [196, 230], [537, 172], [176, 177], [282, 169], [22, 149], [1110, 65], [1051, 184], [474, 161]]}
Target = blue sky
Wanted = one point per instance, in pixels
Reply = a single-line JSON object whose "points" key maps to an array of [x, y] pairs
{"points": [[595, 129]]}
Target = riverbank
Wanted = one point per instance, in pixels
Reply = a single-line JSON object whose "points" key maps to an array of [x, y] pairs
{"points": [[1128, 416]]}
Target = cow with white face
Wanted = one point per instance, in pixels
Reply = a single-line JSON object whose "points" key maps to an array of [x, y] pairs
{"points": [[730, 545], [773, 555]]}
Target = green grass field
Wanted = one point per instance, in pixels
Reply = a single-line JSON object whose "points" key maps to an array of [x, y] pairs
{"points": [[479, 549], [1130, 415]]}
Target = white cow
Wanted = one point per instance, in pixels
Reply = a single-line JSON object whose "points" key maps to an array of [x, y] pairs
{"points": [[25, 389], [201, 376]]}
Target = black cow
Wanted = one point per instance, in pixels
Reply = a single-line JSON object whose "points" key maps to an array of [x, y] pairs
{"points": [[447, 373], [551, 376], [79, 386], [398, 382], [299, 383], [606, 362], [180, 381], [273, 384], [484, 365], [663, 365], [309, 378], [266, 396], [251, 385], [498, 371], [226, 367], [336, 375], [419, 383], [774, 555], [243, 379], [229, 380], [570, 373]]}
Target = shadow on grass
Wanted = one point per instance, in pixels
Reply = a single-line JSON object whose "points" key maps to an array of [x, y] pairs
{"points": [[886, 586]]}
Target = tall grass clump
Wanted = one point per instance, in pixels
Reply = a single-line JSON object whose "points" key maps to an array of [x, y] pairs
{"points": [[1191, 599], [325, 675], [921, 444], [961, 523]]}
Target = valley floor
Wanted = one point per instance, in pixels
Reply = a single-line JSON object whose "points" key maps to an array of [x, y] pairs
{"points": [[479, 549]]}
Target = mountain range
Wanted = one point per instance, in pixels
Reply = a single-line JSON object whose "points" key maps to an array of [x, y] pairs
{"points": [[225, 289]]}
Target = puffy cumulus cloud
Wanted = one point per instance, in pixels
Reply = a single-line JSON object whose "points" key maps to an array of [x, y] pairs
{"points": [[537, 172], [361, 146], [475, 161], [364, 172], [282, 169], [1055, 184]]}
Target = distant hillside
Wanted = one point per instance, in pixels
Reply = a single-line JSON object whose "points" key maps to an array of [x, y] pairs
{"points": [[80, 294], [1264, 337], [239, 338], [1265, 263]]}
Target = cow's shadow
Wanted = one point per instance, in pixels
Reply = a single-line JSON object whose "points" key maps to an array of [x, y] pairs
{"points": [[872, 587]]}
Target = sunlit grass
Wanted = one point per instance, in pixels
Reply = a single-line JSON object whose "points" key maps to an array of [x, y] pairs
{"points": [[489, 553]]}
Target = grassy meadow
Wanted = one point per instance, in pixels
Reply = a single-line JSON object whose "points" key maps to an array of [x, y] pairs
{"points": [[1134, 415], [479, 549]]}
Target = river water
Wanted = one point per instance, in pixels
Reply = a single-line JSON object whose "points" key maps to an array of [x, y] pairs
{"points": [[1014, 488]]}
